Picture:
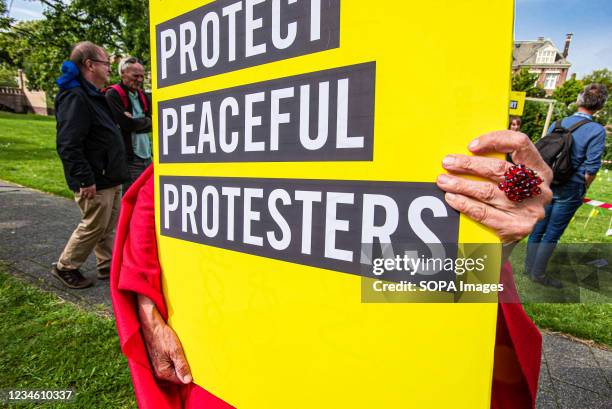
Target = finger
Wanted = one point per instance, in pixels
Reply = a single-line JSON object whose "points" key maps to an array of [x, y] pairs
{"points": [[507, 228], [485, 192], [164, 371], [517, 143], [181, 367], [488, 168]]}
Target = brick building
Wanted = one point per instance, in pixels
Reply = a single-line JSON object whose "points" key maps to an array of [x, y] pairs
{"points": [[542, 57]]}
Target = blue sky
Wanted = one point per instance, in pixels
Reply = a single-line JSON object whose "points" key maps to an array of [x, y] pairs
{"points": [[589, 20]]}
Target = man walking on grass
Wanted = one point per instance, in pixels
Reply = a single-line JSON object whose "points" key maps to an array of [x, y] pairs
{"points": [[131, 109], [588, 144], [92, 153]]}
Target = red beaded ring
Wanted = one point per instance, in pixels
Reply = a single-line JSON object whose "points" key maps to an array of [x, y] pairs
{"points": [[520, 183]]}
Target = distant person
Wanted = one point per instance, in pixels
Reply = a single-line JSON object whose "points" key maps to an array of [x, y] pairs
{"points": [[588, 143], [515, 123], [131, 108], [92, 153]]}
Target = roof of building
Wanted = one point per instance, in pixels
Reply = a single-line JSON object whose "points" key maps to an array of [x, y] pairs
{"points": [[525, 53]]}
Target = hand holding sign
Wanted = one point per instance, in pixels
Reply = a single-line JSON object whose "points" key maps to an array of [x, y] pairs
{"points": [[163, 346], [483, 201]]}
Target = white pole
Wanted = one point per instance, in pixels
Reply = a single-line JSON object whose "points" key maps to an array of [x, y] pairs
{"points": [[548, 116]]}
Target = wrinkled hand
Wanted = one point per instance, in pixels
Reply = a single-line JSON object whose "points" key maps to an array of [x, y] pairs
{"points": [[88, 192], [163, 346], [126, 113], [483, 201]]}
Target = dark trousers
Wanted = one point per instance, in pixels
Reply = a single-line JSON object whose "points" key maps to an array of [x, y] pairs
{"points": [[136, 166], [566, 200]]}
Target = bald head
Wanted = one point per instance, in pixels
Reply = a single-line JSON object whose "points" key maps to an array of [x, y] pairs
{"points": [[83, 51], [92, 61]]}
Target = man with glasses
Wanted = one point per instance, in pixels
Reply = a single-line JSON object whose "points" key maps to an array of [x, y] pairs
{"points": [[131, 108], [92, 153]]}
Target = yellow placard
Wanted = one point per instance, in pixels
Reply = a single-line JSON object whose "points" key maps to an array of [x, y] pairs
{"points": [[517, 103], [269, 328]]}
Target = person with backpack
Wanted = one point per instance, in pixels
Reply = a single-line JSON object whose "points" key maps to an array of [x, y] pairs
{"points": [[573, 149], [131, 109]]}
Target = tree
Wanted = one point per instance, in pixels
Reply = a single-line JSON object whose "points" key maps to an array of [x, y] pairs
{"points": [[568, 92], [534, 117], [40, 47], [5, 21], [601, 77], [525, 81], [7, 76]]}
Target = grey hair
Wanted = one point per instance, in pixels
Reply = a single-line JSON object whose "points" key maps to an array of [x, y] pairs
{"points": [[593, 97], [126, 62]]}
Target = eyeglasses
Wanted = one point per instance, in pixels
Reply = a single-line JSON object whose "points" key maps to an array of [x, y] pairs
{"points": [[107, 63]]}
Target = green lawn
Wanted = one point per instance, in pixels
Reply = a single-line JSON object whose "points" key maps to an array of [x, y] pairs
{"points": [[27, 153], [28, 157], [593, 319], [579, 231], [48, 343]]}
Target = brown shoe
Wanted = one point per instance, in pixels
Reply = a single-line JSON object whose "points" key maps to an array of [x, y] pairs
{"points": [[71, 278], [103, 273]]}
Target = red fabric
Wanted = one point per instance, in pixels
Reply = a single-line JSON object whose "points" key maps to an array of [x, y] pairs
{"points": [[518, 351], [124, 98], [135, 270]]}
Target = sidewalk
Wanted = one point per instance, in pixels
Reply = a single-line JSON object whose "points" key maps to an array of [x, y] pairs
{"points": [[35, 226]]}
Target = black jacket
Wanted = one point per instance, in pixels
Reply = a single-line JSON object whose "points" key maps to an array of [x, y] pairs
{"points": [[89, 142], [128, 125]]}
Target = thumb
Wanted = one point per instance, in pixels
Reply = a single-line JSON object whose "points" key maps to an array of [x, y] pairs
{"points": [[181, 367]]}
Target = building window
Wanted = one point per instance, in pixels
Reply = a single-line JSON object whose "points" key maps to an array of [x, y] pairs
{"points": [[546, 57], [551, 81]]}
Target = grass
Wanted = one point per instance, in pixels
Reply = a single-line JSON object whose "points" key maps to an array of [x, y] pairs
{"points": [[27, 153], [593, 231], [586, 321], [592, 318], [47, 343], [28, 157]]}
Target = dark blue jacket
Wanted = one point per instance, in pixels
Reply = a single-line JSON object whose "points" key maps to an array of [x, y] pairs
{"points": [[89, 142]]}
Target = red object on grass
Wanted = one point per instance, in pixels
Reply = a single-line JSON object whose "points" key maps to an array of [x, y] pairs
{"points": [[135, 270]]}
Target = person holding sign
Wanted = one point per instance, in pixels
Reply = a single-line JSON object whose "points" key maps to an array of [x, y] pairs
{"points": [[154, 351]]}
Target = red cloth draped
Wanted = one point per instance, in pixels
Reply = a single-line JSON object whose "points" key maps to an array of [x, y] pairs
{"points": [[135, 270]]}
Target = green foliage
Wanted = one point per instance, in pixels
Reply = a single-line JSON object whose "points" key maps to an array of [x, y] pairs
{"points": [[47, 343], [7, 76], [601, 77], [4, 19], [568, 92], [525, 81], [40, 47], [534, 117]]}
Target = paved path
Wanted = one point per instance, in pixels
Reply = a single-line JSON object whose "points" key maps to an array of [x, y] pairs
{"points": [[34, 227]]}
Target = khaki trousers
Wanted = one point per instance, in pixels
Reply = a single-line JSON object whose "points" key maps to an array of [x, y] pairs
{"points": [[96, 231]]}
